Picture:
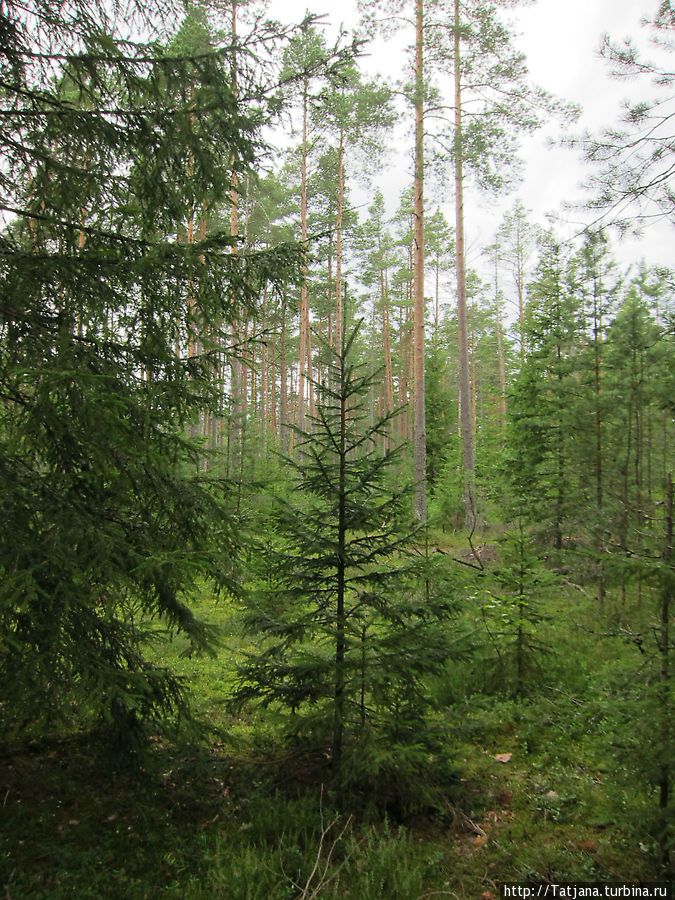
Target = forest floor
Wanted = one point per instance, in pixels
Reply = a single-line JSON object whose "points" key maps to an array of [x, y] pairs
{"points": [[544, 789]]}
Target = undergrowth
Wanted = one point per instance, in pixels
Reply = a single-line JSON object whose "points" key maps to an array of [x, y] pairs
{"points": [[546, 787]]}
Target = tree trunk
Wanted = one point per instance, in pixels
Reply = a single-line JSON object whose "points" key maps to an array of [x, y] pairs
{"points": [[597, 328], [304, 303], [420, 435], [500, 349], [283, 383], [386, 343], [520, 265], [464, 389], [338, 239], [234, 444], [664, 649], [436, 307], [340, 620], [473, 386], [402, 374]]}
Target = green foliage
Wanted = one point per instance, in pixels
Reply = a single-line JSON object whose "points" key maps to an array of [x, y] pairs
{"points": [[511, 613], [111, 526], [350, 622], [543, 401], [441, 415], [573, 801]]}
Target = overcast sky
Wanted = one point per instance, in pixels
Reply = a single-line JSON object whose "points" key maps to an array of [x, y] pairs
{"points": [[560, 39]]}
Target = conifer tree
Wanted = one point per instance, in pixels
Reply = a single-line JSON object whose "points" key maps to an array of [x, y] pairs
{"points": [[305, 59], [347, 632], [415, 14], [110, 524], [512, 614], [545, 396], [516, 238], [634, 160], [486, 69], [354, 114]]}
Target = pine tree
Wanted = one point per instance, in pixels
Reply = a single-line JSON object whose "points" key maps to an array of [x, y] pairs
{"points": [[414, 14], [632, 182], [305, 59], [516, 239], [486, 68], [354, 114]]}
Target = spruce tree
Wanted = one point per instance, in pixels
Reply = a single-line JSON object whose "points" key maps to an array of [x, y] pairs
{"points": [[108, 145], [544, 407], [512, 615], [346, 627]]}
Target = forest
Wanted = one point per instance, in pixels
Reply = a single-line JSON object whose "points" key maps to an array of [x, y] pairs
{"points": [[336, 553]]}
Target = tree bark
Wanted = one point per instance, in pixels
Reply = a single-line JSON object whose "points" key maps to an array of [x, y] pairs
{"points": [[338, 240], [304, 303], [283, 383], [340, 620], [664, 648], [500, 348], [420, 435], [468, 454], [386, 343]]}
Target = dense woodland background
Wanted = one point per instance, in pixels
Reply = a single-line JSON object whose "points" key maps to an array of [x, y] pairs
{"points": [[330, 567]]}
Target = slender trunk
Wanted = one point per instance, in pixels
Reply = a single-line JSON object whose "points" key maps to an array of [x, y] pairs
{"points": [[81, 240], [340, 620], [338, 239], [264, 367], [309, 378], [192, 312], [520, 288], [597, 327], [664, 649], [283, 383], [402, 378], [500, 350], [420, 435], [304, 308], [254, 402], [502, 373], [473, 386], [411, 376], [623, 517], [560, 463], [272, 404], [522, 604], [464, 390], [386, 344], [363, 679], [438, 278], [236, 373], [330, 290]]}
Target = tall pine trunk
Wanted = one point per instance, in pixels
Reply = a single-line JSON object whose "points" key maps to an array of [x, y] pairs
{"points": [[386, 342], [338, 239], [468, 453], [236, 373], [283, 383], [500, 349], [304, 302], [597, 330], [420, 435]]}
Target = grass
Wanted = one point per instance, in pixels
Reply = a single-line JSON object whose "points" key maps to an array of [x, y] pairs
{"points": [[542, 792]]}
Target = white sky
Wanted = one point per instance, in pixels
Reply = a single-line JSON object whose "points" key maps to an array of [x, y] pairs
{"points": [[560, 39]]}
